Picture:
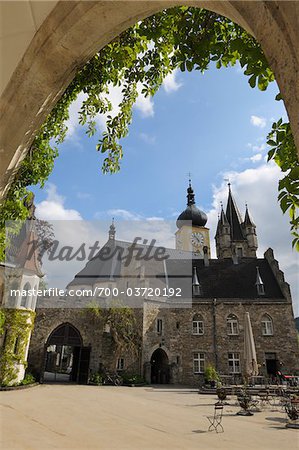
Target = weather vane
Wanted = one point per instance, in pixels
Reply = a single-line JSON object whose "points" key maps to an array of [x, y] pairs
{"points": [[228, 182], [189, 176]]}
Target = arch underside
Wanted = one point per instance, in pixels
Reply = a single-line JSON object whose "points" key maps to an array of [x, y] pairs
{"points": [[74, 31]]}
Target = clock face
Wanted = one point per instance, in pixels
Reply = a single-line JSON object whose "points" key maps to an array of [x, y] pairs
{"points": [[197, 239]]}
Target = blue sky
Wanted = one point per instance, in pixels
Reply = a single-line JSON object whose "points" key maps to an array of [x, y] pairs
{"points": [[212, 125]]}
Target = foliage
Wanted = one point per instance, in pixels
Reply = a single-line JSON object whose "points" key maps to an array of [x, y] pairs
{"points": [[123, 329], [183, 38], [292, 411], [122, 324], [131, 378], [221, 393], [96, 378], [2, 321], [28, 379], [285, 155], [211, 373], [18, 325]]}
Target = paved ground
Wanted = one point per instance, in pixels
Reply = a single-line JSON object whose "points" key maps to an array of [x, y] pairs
{"points": [[89, 417]]}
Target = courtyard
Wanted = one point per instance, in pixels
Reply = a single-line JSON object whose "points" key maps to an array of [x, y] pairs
{"points": [[152, 417]]}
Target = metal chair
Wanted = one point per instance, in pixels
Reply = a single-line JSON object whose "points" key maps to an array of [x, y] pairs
{"points": [[216, 419]]}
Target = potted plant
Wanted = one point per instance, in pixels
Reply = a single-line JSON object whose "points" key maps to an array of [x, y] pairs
{"points": [[293, 415], [245, 401], [221, 393], [211, 375]]}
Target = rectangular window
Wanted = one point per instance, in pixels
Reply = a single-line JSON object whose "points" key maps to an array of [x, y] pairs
{"points": [[16, 346], [234, 362], [232, 327], [197, 327], [159, 326], [198, 362], [120, 364], [267, 328]]}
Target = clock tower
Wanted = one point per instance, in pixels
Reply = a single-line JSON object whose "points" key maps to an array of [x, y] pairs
{"points": [[192, 235]]}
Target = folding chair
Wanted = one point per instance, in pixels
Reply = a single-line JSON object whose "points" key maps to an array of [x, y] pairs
{"points": [[216, 419]]}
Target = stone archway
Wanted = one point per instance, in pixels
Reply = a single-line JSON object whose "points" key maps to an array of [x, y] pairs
{"points": [[65, 358], [61, 45], [160, 372]]}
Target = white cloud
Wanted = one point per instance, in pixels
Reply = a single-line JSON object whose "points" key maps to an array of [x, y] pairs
{"points": [[256, 158], [144, 105], [257, 121], [53, 207], [170, 83], [147, 138], [258, 187], [257, 147], [124, 214]]}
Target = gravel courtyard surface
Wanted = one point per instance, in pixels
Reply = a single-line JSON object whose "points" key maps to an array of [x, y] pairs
{"points": [[91, 417]]}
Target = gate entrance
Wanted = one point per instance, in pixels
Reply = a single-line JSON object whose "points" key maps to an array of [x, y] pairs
{"points": [[66, 360], [159, 367], [272, 364]]}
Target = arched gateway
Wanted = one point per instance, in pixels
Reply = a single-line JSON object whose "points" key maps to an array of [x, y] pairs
{"points": [[66, 360], [159, 367]]}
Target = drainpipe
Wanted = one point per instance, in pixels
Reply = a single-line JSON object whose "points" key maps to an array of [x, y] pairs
{"points": [[215, 334]]}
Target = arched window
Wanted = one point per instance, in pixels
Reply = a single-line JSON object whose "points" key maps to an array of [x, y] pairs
{"points": [[232, 325], [267, 325], [197, 325], [33, 298], [13, 294], [25, 298]]}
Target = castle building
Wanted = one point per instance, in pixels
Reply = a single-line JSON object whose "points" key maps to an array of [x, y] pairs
{"points": [[176, 342]]}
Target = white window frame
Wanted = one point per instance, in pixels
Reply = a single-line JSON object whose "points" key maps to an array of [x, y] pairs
{"points": [[260, 289], [121, 363], [232, 325], [267, 326], [234, 363], [197, 327], [198, 362]]}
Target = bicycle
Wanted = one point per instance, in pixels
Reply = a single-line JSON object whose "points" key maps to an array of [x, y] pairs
{"points": [[112, 379]]}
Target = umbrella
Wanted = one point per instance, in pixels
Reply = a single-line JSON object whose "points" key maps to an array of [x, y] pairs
{"points": [[250, 362]]}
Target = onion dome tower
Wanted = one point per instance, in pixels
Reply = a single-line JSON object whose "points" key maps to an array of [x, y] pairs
{"points": [[192, 235]]}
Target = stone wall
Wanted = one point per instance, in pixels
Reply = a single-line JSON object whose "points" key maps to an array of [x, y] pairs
{"points": [[180, 344]]}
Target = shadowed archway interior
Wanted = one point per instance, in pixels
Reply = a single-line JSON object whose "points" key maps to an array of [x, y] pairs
{"points": [[159, 367], [66, 360]]}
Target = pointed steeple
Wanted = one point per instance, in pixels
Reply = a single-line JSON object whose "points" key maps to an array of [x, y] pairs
{"points": [[223, 219], [247, 220], [234, 218], [112, 231], [259, 283], [196, 286]]}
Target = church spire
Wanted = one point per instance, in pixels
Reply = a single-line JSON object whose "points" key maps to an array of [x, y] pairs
{"points": [[112, 231], [233, 236], [190, 195], [247, 219], [234, 217]]}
